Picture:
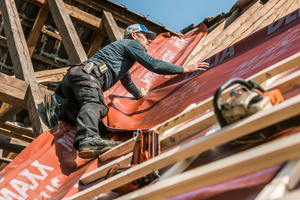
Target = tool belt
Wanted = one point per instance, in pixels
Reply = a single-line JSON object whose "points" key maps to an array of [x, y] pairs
{"points": [[147, 146]]}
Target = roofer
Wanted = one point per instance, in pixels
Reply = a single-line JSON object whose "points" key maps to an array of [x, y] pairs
{"points": [[83, 84]]}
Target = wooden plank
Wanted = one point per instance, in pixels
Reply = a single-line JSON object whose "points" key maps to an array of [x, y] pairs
{"points": [[5, 160], [111, 26], [263, 75], [102, 171], [13, 91], [18, 136], [218, 35], [291, 6], [17, 128], [284, 181], [291, 196], [225, 40], [178, 168], [247, 161], [68, 33], [285, 84], [22, 65], [258, 121], [12, 144], [36, 29], [9, 113], [94, 44]]}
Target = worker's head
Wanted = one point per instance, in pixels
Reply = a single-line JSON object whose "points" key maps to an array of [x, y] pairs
{"points": [[139, 33]]}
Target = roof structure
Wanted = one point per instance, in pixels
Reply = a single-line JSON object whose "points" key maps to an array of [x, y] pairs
{"points": [[255, 40]]}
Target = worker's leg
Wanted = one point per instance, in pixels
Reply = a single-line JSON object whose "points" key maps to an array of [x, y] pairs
{"points": [[87, 91]]}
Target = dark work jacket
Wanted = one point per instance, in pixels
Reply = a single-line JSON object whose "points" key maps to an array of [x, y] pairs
{"points": [[120, 56]]}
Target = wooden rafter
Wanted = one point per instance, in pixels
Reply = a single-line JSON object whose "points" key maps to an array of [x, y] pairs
{"points": [[68, 33], [36, 29], [111, 26]]}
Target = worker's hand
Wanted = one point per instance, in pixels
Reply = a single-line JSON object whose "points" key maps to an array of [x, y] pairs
{"points": [[143, 93], [201, 66]]}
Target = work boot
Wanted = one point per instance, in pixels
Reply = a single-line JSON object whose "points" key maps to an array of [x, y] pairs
{"points": [[93, 146], [52, 103]]}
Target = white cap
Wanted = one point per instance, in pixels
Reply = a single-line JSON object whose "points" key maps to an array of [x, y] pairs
{"points": [[139, 28]]}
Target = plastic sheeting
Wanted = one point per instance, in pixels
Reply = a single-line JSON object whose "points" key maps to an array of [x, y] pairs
{"points": [[49, 167]]}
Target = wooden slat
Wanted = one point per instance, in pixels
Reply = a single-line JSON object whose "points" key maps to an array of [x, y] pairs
{"points": [[258, 121], [225, 39], [22, 65], [68, 33], [279, 13], [36, 29], [5, 160], [247, 161], [12, 144], [18, 136], [218, 34], [111, 26], [18, 129], [284, 181], [9, 113]]}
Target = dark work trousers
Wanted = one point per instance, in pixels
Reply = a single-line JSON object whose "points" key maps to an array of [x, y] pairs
{"points": [[85, 104]]}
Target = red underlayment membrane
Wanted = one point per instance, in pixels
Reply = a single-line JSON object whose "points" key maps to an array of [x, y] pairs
{"points": [[49, 167]]}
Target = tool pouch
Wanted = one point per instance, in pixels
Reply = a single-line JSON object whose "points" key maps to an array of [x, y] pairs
{"points": [[147, 146]]}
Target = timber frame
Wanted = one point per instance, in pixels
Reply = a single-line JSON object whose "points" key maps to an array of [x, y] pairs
{"points": [[37, 49], [83, 32]]}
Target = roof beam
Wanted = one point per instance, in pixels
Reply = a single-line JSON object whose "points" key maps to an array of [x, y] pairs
{"points": [[36, 29], [68, 33], [13, 91], [111, 26], [8, 113]]}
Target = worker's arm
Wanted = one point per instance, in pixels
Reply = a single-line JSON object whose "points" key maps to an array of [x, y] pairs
{"points": [[129, 85], [137, 52]]}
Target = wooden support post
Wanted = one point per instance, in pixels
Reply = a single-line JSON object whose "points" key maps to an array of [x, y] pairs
{"points": [[22, 65], [36, 29], [68, 33], [9, 113], [111, 26], [283, 111]]}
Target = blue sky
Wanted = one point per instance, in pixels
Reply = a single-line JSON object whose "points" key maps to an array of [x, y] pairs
{"points": [[178, 14]]}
